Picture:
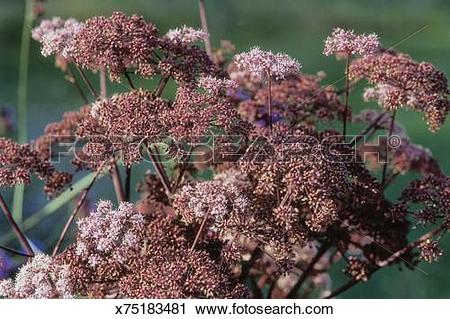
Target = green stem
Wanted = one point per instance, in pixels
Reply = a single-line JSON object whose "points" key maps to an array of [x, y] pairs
{"points": [[22, 137]]}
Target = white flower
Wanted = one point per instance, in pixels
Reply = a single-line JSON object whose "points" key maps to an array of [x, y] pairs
{"points": [[348, 42], [186, 35], [265, 63], [56, 36], [41, 277], [109, 231], [215, 85]]}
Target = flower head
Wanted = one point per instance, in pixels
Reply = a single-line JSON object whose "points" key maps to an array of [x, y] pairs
{"points": [[348, 42], [6, 288], [115, 43], [358, 269], [110, 232], [155, 258], [186, 35], [211, 197], [265, 63], [41, 277], [19, 162], [56, 36], [430, 251], [399, 81], [215, 85], [432, 195], [47, 26]]}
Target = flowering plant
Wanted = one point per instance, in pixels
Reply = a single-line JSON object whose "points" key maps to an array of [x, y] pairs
{"points": [[287, 198]]}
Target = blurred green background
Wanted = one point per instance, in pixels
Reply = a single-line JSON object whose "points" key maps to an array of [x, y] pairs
{"points": [[417, 27]]}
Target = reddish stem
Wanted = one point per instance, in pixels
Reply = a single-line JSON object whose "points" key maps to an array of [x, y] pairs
{"points": [[20, 235], [75, 210]]}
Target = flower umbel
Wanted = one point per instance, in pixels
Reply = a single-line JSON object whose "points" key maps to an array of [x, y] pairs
{"points": [[348, 42], [265, 63], [186, 35]]}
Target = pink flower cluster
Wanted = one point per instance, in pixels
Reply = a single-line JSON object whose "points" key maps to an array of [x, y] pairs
{"points": [[266, 63], [109, 232], [41, 277], [186, 35], [215, 85], [56, 36], [348, 42]]}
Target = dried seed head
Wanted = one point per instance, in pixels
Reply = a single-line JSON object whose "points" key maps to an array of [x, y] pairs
{"points": [[116, 43], [358, 269], [430, 251], [399, 81]]}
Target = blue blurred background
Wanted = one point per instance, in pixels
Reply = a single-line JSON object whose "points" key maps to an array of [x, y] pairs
{"points": [[418, 27]]}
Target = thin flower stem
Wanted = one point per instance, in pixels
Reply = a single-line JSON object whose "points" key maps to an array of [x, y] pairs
{"points": [[76, 209], [161, 85], [117, 183], [390, 179], [87, 82], [390, 260], [130, 82], [269, 100], [257, 293], [391, 128], [286, 198], [16, 252], [103, 83], [159, 172], [127, 182], [369, 128], [347, 92], [322, 250], [200, 230], [413, 245], [204, 21], [177, 182], [161, 166], [181, 171], [20, 235], [342, 91], [72, 79]]}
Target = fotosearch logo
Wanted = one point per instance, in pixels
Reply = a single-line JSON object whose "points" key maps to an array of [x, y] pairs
{"points": [[222, 148]]}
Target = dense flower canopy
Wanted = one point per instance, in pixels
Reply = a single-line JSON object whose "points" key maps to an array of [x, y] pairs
{"points": [[249, 189]]}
